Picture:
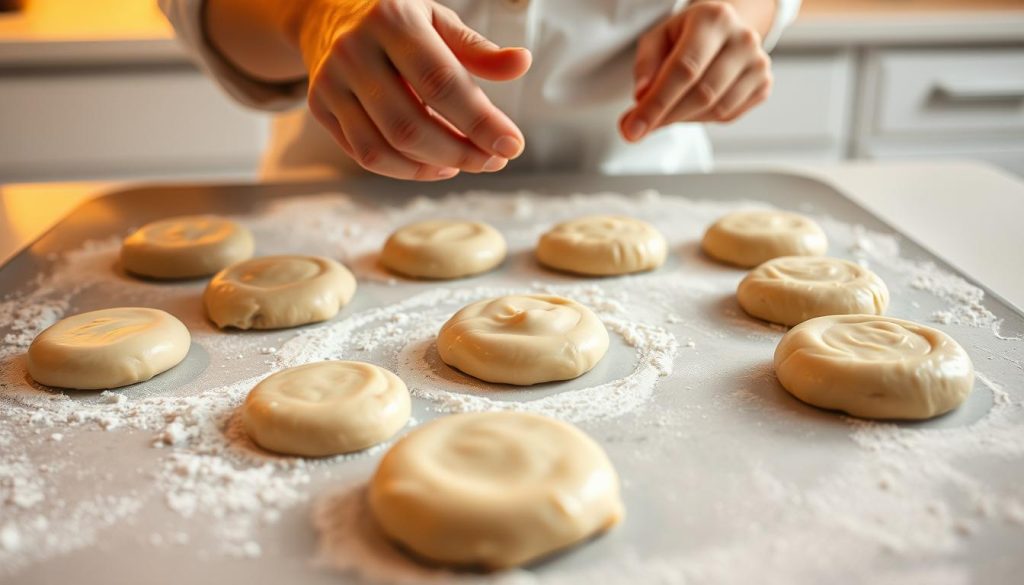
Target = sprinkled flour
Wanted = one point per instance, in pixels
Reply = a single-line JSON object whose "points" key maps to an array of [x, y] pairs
{"points": [[726, 478], [402, 334]]}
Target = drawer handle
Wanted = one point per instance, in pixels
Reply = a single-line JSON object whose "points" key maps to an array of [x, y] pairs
{"points": [[981, 91]]}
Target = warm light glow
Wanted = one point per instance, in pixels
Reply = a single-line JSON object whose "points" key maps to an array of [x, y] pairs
{"points": [[27, 211], [69, 20], [824, 7]]}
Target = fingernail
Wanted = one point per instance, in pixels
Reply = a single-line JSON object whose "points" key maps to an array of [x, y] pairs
{"points": [[447, 173], [635, 128], [495, 163], [508, 146]]}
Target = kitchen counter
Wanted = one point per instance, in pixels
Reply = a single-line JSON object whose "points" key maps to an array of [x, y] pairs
{"points": [[967, 213], [832, 23], [68, 32]]}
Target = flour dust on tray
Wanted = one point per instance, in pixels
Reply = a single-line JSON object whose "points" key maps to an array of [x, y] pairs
{"points": [[166, 463], [403, 335]]}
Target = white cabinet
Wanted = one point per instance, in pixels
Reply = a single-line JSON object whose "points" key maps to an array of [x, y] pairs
{"points": [[122, 121], [929, 93], [918, 103]]}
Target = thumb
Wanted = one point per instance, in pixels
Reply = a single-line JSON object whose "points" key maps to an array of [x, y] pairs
{"points": [[478, 54], [651, 52]]}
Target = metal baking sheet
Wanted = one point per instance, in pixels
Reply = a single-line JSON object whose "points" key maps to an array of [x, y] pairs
{"points": [[698, 462]]}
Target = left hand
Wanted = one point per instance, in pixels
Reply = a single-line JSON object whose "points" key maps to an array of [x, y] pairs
{"points": [[704, 64]]}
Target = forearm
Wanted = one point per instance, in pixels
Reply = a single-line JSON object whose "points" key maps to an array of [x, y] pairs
{"points": [[257, 36], [757, 13]]}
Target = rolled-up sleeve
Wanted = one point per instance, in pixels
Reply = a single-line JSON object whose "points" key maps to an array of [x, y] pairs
{"points": [[186, 16]]}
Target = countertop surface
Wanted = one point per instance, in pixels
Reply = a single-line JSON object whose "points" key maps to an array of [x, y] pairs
{"points": [[71, 32], [965, 212]]}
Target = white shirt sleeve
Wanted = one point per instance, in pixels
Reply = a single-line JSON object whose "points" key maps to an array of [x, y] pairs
{"points": [[187, 18], [785, 14]]}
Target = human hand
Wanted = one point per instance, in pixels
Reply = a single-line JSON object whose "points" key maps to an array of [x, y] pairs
{"points": [[391, 81], [704, 64]]}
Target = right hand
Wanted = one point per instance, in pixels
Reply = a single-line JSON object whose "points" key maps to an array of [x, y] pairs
{"points": [[391, 81]]}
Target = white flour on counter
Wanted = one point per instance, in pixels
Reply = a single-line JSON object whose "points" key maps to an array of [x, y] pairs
{"points": [[672, 331]]}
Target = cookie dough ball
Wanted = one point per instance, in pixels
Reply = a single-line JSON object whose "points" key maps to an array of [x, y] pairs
{"points": [[185, 247], [108, 348], [443, 249], [874, 367], [274, 292], [326, 408], [602, 245], [494, 490], [748, 238], [793, 289], [523, 340]]}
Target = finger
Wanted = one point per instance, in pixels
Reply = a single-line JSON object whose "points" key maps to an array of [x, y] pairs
{"points": [[744, 96], [401, 118], [702, 37], [651, 51], [481, 57], [723, 73], [330, 122], [371, 150], [437, 77], [496, 163]]}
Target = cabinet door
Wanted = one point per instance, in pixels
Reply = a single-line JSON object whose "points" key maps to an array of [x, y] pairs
{"points": [[122, 121], [805, 117], [943, 103], [945, 93]]}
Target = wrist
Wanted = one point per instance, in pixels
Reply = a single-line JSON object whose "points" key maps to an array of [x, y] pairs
{"points": [[757, 14], [311, 26], [249, 37]]}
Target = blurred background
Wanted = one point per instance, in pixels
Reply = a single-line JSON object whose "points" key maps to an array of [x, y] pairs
{"points": [[98, 89]]}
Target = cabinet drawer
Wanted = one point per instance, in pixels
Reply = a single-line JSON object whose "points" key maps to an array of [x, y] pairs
{"points": [[946, 93], [96, 122], [808, 105]]}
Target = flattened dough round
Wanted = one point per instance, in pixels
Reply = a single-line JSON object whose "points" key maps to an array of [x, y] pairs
{"points": [[444, 248], [603, 245], [793, 289], [874, 367], [326, 408], [523, 339], [274, 292], [108, 348], [749, 238], [185, 247], [494, 489]]}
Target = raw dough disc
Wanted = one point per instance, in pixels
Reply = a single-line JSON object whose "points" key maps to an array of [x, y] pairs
{"points": [[273, 292], [793, 289], [494, 489], [523, 340], [108, 348], [874, 367], [748, 238], [602, 245], [185, 247], [444, 248], [326, 408]]}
